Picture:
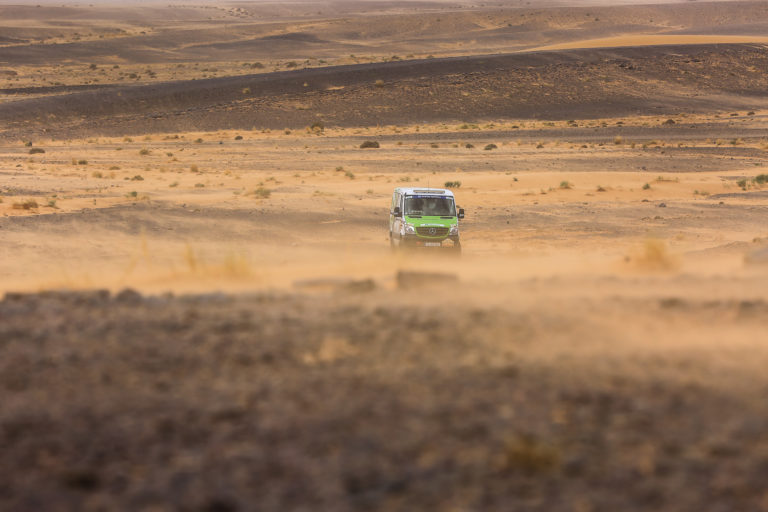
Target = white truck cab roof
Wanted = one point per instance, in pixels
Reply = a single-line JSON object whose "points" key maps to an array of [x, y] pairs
{"points": [[423, 191]]}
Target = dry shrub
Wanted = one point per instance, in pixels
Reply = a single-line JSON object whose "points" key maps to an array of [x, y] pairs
{"points": [[529, 456], [655, 255], [25, 205]]}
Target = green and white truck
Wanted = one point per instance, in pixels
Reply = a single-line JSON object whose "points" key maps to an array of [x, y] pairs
{"points": [[424, 217]]}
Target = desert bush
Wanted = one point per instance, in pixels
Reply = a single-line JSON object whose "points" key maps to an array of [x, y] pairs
{"points": [[238, 137], [291, 64], [647, 186], [133, 193], [174, 184], [350, 175], [539, 145], [528, 456], [369, 144], [742, 184], [28, 144], [194, 168], [199, 185], [761, 179], [600, 188], [198, 141], [97, 174], [489, 147], [452, 184], [262, 192], [82, 162], [379, 83], [144, 152], [257, 65], [36, 150], [618, 140], [25, 205], [566, 185], [246, 90], [138, 177], [114, 168], [51, 203], [669, 121], [434, 145], [469, 146], [317, 126]]}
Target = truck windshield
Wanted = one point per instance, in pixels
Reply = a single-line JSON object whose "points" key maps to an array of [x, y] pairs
{"points": [[430, 206]]}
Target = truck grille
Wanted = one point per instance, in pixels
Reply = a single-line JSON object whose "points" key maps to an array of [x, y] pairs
{"points": [[431, 231]]}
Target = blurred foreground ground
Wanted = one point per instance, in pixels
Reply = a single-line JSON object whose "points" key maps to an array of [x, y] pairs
{"points": [[555, 394]]}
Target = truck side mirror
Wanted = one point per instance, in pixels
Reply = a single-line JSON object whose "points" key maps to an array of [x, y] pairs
{"points": [[397, 212], [461, 213]]}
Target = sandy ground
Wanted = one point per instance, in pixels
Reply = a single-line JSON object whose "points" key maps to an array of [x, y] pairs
{"points": [[202, 310]]}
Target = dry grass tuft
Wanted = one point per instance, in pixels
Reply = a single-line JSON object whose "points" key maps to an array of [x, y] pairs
{"points": [[25, 205], [655, 256]]}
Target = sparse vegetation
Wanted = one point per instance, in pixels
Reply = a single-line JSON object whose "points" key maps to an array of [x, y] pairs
{"points": [[144, 152], [369, 144], [350, 175], [28, 204], [566, 185], [647, 186], [489, 147], [452, 184], [262, 193]]}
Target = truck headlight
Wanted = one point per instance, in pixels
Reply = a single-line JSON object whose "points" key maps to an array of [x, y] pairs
{"points": [[454, 230], [410, 229]]}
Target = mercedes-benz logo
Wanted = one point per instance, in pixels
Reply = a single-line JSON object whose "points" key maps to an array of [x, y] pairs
{"points": [[432, 231]]}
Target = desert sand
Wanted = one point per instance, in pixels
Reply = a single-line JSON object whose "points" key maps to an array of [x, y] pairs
{"points": [[202, 310]]}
